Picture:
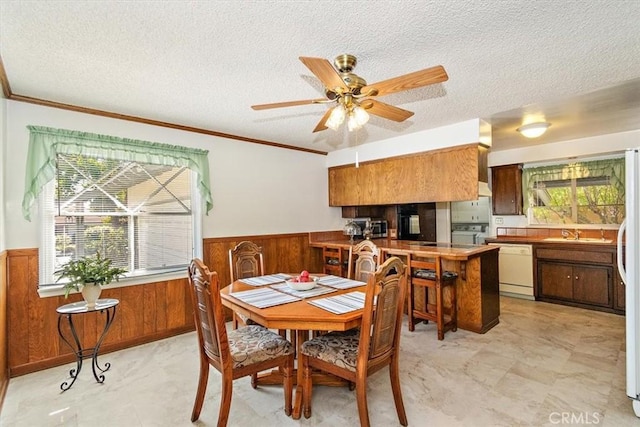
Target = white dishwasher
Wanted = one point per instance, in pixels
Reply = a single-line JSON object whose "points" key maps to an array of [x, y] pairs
{"points": [[516, 270]]}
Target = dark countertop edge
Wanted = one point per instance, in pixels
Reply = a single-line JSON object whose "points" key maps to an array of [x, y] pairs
{"points": [[528, 240]]}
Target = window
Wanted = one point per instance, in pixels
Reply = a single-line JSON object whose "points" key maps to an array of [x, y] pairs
{"points": [[135, 202], [589, 192], [138, 215]]}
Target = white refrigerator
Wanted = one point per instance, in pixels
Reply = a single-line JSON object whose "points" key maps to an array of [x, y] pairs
{"points": [[630, 272]]}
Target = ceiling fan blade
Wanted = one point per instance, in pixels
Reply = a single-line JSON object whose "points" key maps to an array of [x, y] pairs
{"points": [[324, 71], [385, 110], [413, 80], [287, 104], [322, 123]]}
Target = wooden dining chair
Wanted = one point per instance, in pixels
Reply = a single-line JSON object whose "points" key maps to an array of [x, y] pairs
{"points": [[237, 353], [355, 354], [364, 259], [245, 260], [427, 273]]}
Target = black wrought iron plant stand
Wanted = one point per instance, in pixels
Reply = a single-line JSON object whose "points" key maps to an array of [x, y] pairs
{"points": [[108, 307]]}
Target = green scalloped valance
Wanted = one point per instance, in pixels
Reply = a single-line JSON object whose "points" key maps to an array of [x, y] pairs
{"points": [[45, 143]]}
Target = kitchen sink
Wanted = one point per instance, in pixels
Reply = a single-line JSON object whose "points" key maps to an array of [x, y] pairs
{"points": [[580, 240]]}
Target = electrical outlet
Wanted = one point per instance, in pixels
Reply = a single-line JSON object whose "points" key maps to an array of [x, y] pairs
{"points": [[498, 220]]}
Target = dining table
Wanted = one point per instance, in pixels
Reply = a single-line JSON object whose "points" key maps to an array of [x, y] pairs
{"points": [[268, 301]]}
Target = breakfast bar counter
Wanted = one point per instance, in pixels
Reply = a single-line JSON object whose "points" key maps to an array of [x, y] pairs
{"points": [[477, 285]]}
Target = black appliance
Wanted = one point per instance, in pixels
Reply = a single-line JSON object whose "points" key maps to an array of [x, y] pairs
{"points": [[408, 222]]}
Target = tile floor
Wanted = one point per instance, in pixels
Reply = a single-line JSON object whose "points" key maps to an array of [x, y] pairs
{"points": [[544, 364]]}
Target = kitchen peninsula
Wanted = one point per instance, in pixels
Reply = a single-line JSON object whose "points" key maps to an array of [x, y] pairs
{"points": [[477, 286]]}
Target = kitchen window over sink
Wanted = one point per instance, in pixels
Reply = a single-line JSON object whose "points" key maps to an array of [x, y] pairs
{"points": [[582, 192], [135, 202]]}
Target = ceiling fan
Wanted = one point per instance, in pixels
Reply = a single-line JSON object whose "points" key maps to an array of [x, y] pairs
{"points": [[352, 94]]}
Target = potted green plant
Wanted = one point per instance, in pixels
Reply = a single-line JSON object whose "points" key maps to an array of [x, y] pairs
{"points": [[91, 272]]}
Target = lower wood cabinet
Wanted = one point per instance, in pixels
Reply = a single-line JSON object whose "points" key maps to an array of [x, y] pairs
{"points": [[577, 283], [619, 290], [580, 275]]}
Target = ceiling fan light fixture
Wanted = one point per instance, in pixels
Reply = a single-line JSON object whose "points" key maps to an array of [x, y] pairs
{"points": [[357, 118], [352, 124], [533, 130], [360, 115], [336, 117]]}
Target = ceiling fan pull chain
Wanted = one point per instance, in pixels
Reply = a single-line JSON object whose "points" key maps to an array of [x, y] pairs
{"points": [[357, 162]]}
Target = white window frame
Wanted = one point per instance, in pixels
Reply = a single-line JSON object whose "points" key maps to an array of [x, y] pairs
{"points": [[529, 213], [47, 285]]}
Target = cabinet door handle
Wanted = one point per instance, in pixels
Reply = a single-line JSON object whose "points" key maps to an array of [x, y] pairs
{"points": [[576, 277], [568, 277]]}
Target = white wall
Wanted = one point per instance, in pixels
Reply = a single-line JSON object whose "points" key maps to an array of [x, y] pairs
{"points": [[446, 136], [585, 147], [3, 181], [256, 189]]}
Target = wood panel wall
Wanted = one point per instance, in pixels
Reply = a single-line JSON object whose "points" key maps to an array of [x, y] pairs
{"points": [[146, 312], [283, 253], [4, 365]]}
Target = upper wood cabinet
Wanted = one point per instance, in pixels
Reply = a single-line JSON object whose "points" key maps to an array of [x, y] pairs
{"points": [[433, 176], [363, 211], [506, 189]]}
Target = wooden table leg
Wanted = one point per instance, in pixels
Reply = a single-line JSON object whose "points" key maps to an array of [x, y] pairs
{"points": [[301, 336]]}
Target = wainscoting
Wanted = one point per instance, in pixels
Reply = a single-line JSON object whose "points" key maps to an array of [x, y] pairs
{"points": [[4, 366], [146, 312]]}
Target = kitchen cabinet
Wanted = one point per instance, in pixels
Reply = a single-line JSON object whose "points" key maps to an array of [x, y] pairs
{"points": [[427, 219], [577, 283], [581, 275], [619, 290], [474, 211], [432, 176], [506, 189], [363, 211]]}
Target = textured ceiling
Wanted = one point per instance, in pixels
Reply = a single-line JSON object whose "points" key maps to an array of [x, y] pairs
{"points": [[204, 63]]}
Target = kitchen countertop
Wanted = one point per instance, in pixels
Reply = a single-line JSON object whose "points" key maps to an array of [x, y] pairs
{"points": [[528, 240], [451, 251], [477, 285]]}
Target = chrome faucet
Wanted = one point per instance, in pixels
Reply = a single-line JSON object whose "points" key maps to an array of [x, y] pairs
{"points": [[575, 235]]}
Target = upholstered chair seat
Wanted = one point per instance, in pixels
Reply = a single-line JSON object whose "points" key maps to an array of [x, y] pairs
{"points": [[337, 348], [254, 344]]}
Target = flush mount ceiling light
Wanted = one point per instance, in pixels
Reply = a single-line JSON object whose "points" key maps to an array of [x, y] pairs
{"points": [[533, 130]]}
